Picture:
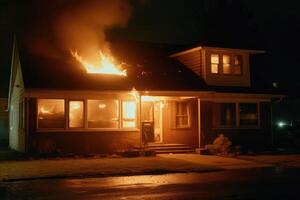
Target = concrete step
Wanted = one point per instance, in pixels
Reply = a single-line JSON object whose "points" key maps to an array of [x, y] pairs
{"points": [[173, 151]]}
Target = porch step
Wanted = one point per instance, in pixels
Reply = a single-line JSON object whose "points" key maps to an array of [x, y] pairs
{"points": [[161, 148]]}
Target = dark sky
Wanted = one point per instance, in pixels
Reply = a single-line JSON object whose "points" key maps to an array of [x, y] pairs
{"points": [[271, 25]]}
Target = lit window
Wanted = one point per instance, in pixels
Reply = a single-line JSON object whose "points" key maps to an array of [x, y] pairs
{"points": [[226, 64], [182, 114], [128, 114], [51, 113], [238, 60], [76, 119], [103, 113], [248, 114], [214, 60]]}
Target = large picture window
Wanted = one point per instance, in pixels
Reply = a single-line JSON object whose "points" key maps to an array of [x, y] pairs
{"points": [[51, 113], [103, 113], [76, 114], [182, 114]]}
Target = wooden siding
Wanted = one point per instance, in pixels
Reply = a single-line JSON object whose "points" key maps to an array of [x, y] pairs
{"points": [[192, 61], [16, 112], [188, 136]]}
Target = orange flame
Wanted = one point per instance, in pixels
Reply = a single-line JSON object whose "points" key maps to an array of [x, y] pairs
{"points": [[106, 65]]}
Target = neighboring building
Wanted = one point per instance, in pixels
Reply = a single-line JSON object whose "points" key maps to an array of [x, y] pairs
{"points": [[185, 98], [3, 123]]}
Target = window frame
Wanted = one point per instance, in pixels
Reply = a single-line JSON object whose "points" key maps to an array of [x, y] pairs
{"points": [[218, 64], [232, 64], [65, 115], [85, 128], [121, 113], [237, 116], [84, 114], [188, 115]]}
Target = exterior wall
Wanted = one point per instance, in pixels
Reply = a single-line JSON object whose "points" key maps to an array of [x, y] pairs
{"points": [[187, 136], [192, 60], [16, 130], [254, 138], [78, 142], [3, 122]]}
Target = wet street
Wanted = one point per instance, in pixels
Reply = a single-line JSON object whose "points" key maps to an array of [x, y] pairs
{"points": [[233, 184]]}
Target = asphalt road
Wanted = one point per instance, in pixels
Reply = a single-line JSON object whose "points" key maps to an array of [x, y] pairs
{"points": [[238, 184]]}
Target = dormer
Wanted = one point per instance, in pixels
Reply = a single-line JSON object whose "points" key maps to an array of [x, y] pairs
{"points": [[219, 66]]}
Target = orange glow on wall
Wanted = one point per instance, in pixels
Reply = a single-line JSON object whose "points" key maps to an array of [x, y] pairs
{"points": [[105, 65]]}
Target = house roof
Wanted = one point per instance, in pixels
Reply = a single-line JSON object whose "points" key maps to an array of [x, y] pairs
{"points": [[148, 68]]}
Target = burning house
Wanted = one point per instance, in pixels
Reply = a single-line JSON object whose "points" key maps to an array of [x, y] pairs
{"points": [[139, 94], [99, 96]]}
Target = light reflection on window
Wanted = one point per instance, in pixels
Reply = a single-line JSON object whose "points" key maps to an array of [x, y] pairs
{"points": [[76, 119], [214, 59], [51, 113], [226, 64], [103, 113], [129, 114]]}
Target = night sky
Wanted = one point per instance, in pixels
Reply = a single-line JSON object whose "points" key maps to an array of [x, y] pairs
{"points": [[270, 25]]}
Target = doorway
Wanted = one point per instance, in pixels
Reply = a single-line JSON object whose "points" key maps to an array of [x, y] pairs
{"points": [[152, 113]]}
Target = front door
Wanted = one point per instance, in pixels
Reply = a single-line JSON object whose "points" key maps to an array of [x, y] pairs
{"points": [[158, 116], [152, 115]]}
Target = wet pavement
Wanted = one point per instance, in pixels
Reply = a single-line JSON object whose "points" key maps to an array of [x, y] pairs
{"points": [[275, 183]]}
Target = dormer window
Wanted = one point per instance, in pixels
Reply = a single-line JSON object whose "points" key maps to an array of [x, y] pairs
{"points": [[214, 60], [237, 68], [226, 64]]}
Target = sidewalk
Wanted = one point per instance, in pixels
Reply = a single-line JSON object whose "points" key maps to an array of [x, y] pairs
{"points": [[100, 167], [224, 163], [287, 161], [21, 170]]}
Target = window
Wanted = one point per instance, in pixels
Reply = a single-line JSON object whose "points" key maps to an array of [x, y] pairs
{"points": [[224, 114], [237, 67], [232, 115], [226, 64], [76, 114], [214, 60], [51, 113], [129, 114], [228, 114], [103, 113], [248, 114], [182, 114]]}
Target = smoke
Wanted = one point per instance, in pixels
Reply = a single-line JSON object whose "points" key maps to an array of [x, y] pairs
{"points": [[66, 25]]}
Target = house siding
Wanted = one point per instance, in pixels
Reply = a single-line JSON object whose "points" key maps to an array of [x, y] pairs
{"points": [[188, 136], [248, 138], [16, 112], [78, 142]]}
